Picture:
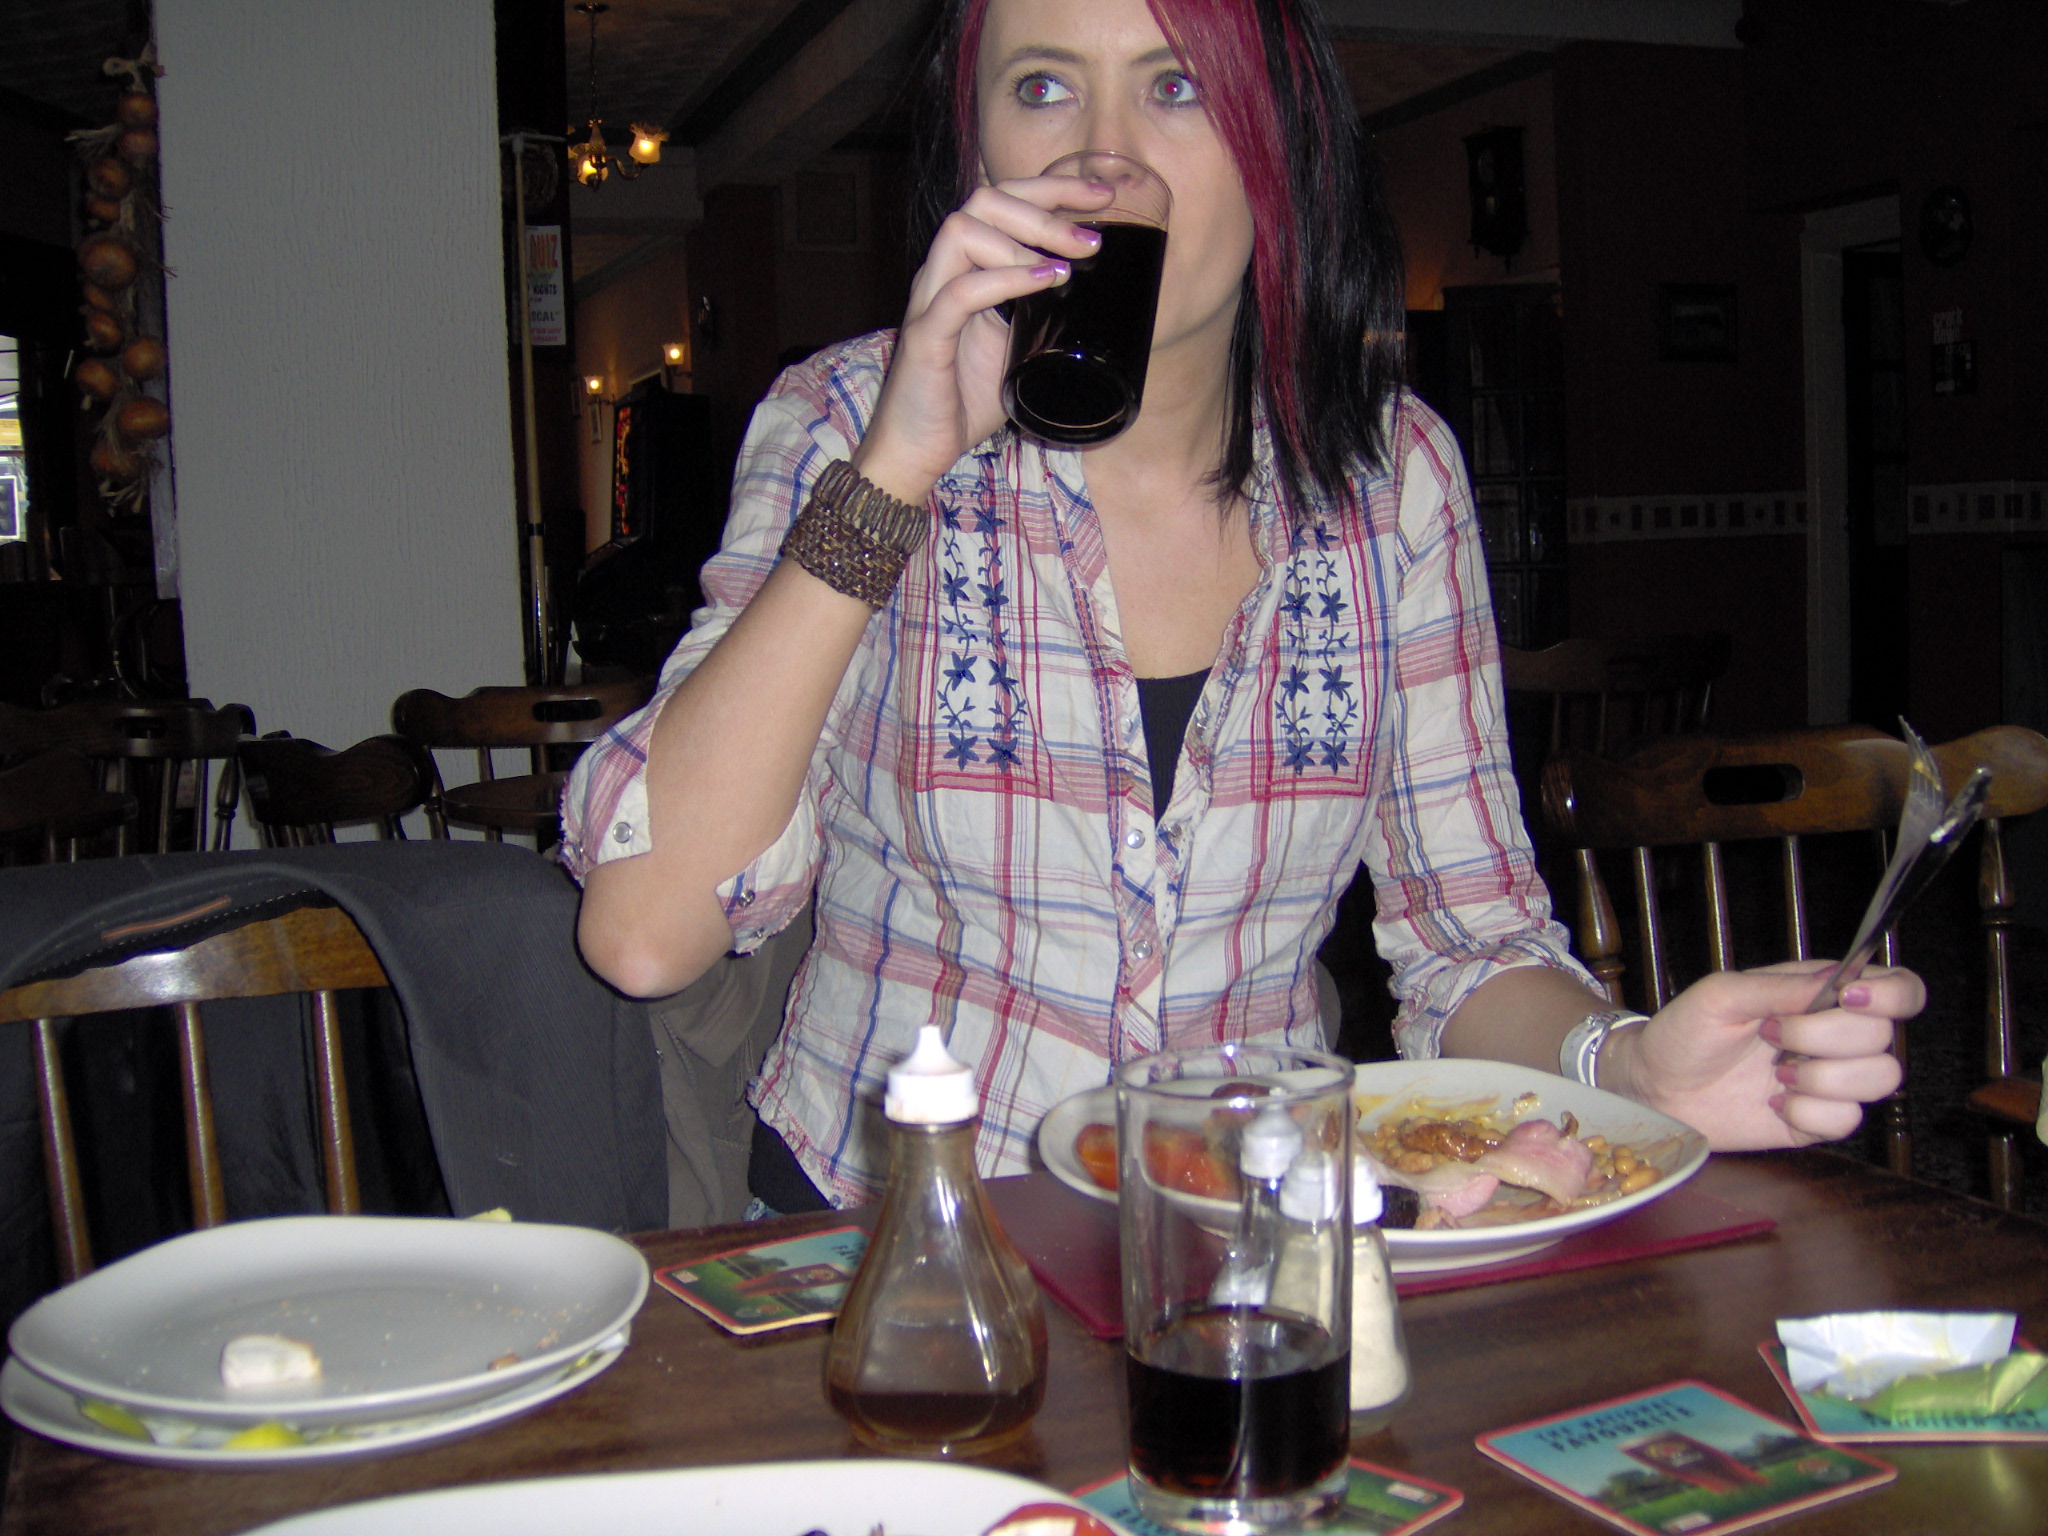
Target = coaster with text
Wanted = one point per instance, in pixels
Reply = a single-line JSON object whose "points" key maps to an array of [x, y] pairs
{"points": [[1380, 1502], [1837, 1419], [771, 1285], [1681, 1459]]}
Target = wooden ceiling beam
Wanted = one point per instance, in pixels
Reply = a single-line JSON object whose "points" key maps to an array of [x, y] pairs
{"points": [[1538, 23], [837, 82]]}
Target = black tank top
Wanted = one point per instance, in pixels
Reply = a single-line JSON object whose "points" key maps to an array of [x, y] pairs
{"points": [[1165, 703]]}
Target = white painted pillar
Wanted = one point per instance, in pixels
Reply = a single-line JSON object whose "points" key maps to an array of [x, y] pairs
{"points": [[341, 428]]}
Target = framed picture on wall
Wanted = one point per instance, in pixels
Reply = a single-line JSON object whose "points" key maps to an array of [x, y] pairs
{"points": [[1696, 322]]}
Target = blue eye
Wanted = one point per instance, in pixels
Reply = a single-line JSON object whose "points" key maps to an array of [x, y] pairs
{"points": [[1040, 90], [1176, 89]]}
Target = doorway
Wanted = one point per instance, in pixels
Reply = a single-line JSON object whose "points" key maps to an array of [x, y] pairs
{"points": [[1874, 443], [1829, 237]]}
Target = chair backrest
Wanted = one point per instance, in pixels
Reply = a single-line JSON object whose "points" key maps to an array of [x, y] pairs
{"points": [[312, 949], [485, 718], [1603, 692], [50, 801], [125, 732], [299, 790], [535, 718], [1712, 791]]}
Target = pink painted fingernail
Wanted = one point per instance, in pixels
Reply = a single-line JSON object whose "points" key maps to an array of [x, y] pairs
{"points": [[1771, 1030], [1855, 997], [1788, 1073], [1087, 236], [1047, 271], [1777, 1103]]}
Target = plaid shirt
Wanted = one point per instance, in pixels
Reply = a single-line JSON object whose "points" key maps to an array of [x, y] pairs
{"points": [[977, 820]]}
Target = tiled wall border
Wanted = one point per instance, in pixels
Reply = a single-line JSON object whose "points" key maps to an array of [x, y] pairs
{"points": [[1627, 519], [1979, 506]]}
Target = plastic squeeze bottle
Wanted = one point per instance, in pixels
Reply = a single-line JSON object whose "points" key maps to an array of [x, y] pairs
{"points": [[940, 1348]]}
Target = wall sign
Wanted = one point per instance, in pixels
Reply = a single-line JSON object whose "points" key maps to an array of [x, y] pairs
{"points": [[545, 310]]}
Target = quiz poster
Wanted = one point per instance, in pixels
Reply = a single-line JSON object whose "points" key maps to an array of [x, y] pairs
{"points": [[546, 312]]}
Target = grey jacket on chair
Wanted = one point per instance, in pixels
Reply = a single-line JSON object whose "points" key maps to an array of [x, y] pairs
{"points": [[539, 1084]]}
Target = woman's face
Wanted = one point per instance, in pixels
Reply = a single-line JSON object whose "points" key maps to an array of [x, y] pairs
{"points": [[1055, 76]]}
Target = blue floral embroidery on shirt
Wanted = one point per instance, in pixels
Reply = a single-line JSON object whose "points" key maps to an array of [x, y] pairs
{"points": [[1315, 705], [980, 704]]}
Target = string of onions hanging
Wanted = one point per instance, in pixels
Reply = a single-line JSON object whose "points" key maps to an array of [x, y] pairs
{"points": [[119, 253]]}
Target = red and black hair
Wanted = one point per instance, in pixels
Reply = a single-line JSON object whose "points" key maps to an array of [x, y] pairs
{"points": [[1318, 338]]}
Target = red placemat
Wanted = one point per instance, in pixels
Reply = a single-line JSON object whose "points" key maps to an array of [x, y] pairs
{"points": [[1070, 1241]]}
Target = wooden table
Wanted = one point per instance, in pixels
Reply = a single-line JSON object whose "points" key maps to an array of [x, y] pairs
{"points": [[1849, 1237]]}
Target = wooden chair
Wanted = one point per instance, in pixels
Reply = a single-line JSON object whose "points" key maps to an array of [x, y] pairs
{"points": [[1788, 786], [2011, 1099], [534, 718], [1601, 693], [311, 949], [299, 790], [167, 737], [51, 801]]}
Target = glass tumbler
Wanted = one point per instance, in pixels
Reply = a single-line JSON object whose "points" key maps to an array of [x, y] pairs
{"points": [[1235, 1221], [1079, 350]]}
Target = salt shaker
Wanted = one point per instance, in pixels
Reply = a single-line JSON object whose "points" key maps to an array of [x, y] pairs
{"points": [[1379, 1357]]}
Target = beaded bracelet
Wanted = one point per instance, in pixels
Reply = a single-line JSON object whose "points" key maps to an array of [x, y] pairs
{"points": [[854, 536]]}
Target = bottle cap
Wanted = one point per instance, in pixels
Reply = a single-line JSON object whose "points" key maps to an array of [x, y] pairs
{"points": [[1367, 1203], [1309, 1192], [1268, 1144], [929, 1087]]}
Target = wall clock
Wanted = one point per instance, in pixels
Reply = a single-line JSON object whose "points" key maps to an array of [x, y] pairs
{"points": [[1946, 227]]}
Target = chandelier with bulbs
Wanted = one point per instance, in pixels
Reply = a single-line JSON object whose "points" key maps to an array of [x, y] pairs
{"points": [[593, 161]]}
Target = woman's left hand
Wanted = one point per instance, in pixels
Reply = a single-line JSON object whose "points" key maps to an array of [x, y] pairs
{"points": [[1734, 1056]]}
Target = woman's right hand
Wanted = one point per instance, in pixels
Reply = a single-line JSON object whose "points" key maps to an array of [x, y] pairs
{"points": [[944, 390]]}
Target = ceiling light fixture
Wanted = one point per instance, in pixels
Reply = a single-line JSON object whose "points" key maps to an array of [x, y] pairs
{"points": [[593, 160]]}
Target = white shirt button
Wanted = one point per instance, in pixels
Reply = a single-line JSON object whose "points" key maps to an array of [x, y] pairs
{"points": [[1142, 950], [623, 832], [1134, 838]]}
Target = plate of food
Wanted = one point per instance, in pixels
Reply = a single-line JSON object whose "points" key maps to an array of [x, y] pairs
{"points": [[869, 1497], [1496, 1161]]}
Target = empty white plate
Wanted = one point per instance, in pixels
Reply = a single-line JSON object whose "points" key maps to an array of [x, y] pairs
{"points": [[840, 1498], [407, 1315], [41, 1405]]}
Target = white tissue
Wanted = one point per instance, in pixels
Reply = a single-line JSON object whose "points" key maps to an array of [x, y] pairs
{"points": [[1857, 1354]]}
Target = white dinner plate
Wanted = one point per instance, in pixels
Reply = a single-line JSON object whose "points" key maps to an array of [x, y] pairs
{"points": [[36, 1403], [1409, 1087], [406, 1314], [840, 1498]]}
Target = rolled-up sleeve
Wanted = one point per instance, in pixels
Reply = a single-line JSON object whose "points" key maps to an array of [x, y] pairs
{"points": [[1458, 896], [806, 423]]}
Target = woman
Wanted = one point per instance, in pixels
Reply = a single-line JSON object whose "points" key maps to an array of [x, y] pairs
{"points": [[963, 732]]}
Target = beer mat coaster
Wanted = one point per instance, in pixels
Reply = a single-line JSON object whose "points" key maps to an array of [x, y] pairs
{"points": [[770, 1285], [1836, 1419], [1678, 1222], [1070, 1242], [1681, 1457], [1379, 1502]]}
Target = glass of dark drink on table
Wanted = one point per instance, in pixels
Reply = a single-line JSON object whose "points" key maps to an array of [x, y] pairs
{"points": [[1078, 350], [1234, 1210]]}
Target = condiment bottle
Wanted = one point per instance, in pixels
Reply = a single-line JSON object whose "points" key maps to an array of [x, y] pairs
{"points": [[940, 1348], [1379, 1357]]}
